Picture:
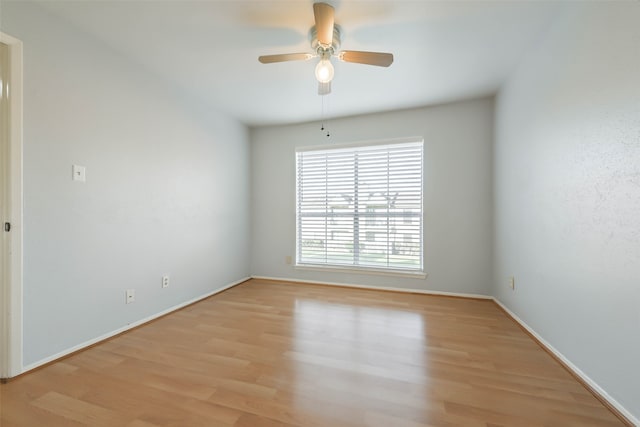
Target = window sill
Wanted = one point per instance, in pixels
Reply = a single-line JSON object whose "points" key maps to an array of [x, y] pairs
{"points": [[355, 270]]}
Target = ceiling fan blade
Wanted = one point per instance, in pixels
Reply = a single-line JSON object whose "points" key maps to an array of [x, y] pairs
{"points": [[323, 14], [324, 88], [268, 59], [370, 58]]}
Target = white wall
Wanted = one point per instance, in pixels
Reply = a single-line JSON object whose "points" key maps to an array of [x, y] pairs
{"points": [[457, 199], [167, 189], [567, 193]]}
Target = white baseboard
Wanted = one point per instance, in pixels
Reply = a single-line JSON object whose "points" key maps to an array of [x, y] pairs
{"points": [[377, 288], [584, 377], [126, 328]]}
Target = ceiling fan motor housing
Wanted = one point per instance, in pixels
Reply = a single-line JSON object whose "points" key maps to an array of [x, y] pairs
{"points": [[321, 49]]}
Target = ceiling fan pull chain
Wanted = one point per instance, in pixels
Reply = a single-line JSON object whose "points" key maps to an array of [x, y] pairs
{"points": [[322, 113], [328, 116]]}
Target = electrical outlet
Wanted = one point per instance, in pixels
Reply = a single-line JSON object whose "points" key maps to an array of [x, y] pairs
{"points": [[131, 296], [165, 281], [287, 259], [512, 283]]}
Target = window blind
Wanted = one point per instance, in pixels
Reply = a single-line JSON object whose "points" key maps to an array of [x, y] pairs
{"points": [[360, 206]]}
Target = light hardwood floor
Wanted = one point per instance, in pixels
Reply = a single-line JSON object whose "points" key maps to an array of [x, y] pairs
{"points": [[267, 354]]}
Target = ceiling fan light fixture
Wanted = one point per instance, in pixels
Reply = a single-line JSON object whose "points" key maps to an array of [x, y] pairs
{"points": [[325, 38], [324, 71]]}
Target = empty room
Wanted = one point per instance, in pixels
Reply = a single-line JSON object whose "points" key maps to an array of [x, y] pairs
{"points": [[319, 213]]}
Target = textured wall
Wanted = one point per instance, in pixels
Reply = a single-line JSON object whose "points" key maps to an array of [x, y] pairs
{"points": [[567, 191]]}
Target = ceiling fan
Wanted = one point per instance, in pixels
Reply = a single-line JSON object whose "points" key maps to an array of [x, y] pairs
{"points": [[325, 41]]}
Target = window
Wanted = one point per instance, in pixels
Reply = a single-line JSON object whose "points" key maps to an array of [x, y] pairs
{"points": [[360, 206]]}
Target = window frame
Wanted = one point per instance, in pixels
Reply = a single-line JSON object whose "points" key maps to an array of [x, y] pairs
{"points": [[360, 269]]}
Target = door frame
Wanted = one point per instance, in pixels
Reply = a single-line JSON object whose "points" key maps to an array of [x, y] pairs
{"points": [[11, 337]]}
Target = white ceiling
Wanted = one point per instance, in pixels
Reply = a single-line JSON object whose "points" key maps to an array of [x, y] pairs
{"points": [[444, 50]]}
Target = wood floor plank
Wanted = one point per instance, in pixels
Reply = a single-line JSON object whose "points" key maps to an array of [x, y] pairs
{"points": [[270, 354], [78, 410]]}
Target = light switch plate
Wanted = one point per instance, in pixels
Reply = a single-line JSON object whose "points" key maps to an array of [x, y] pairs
{"points": [[130, 296], [79, 173]]}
